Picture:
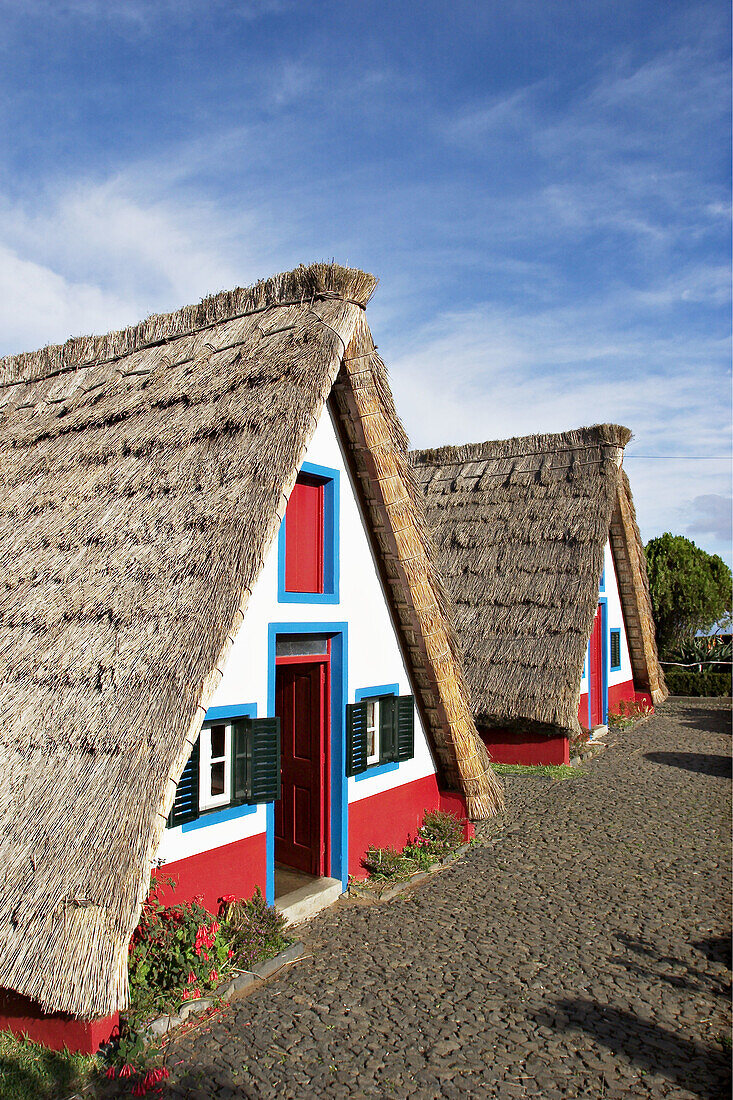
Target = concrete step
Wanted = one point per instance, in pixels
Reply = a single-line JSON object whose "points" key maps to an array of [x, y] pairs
{"points": [[308, 900]]}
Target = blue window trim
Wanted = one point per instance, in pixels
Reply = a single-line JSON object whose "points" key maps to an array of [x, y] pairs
{"points": [[614, 630], [603, 604], [373, 693], [331, 557], [602, 582], [339, 836], [225, 813]]}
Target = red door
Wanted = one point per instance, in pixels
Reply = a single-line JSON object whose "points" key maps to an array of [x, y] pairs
{"points": [[300, 704], [596, 670]]}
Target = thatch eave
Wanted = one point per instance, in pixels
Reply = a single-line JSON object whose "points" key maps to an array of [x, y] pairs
{"points": [[520, 526], [145, 475]]}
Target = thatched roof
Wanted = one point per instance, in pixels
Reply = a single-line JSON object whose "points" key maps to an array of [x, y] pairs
{"points": [[145, 474], [520, 527]]}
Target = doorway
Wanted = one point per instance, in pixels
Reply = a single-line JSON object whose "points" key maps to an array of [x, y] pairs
{"points": [[302, 693], [596, 677]]}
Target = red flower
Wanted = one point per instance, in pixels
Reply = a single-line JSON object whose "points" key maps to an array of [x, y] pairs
{"points": [[185, 995], [197, 992], [213, 976], [140, 1089], [128, 1070], [230, 954], [111, 1072], [191, 977]]}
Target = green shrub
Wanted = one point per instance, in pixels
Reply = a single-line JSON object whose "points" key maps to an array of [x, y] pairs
{"points": [[440, 834], [254, 929], [688, 681], [443, 831], [387, 863]]}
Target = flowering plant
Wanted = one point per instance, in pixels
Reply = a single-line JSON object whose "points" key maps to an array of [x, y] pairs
{"points": [[176, 953]]}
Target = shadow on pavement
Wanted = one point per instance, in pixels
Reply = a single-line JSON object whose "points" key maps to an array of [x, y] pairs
{"points": [[701, 1069], [708, 719], [717, 948], [705, 763]]}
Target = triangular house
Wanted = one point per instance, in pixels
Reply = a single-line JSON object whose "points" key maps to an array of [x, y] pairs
{"points": [[162, 627], [539, 548]]}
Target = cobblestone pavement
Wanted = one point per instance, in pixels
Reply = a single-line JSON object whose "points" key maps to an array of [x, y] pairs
{"points": [[580, 950]]}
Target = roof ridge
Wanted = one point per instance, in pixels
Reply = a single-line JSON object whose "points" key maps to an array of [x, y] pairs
{"points": [[576, 439], [308, 282]]}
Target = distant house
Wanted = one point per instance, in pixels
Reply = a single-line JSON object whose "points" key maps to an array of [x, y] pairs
{"points": [[224, 645], [539, 548]]}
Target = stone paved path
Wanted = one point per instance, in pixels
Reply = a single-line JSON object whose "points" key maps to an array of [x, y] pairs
{"points": [[581, 950]]}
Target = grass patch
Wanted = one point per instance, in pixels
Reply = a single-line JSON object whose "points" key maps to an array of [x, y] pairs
{"points": [[552, 771], [30, 1071]]}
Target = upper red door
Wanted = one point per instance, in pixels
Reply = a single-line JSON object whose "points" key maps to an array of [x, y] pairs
{"points": [[595, 681], [304, 537], [300, 704]]}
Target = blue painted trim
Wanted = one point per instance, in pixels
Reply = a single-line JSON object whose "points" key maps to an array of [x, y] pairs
{"points": [[270, 852], [237, 710], [373, 693], [614, 630], [339, 838], [377, 769], [331, 542], [602, 582], [215, 817]]}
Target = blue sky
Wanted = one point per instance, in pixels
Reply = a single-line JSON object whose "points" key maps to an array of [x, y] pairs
{"points": [[542, 189]]}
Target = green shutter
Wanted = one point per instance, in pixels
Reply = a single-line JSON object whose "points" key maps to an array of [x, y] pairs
{"points": [[265, 762], [241, 780], [405, 727], [387, 729], [356, 738], [615, 649], [186, 803]]}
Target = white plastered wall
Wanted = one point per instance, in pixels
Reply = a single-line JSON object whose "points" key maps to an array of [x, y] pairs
{"points": [[615, 620], [373, 658]]}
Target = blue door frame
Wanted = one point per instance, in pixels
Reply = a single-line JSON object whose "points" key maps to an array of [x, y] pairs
{"points": [[603, 605], [339, 838]]}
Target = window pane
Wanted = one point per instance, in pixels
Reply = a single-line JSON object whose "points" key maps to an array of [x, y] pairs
{"points": [[371, 733], [217, 778], [218, 741], [304, 536], [300, 645]]}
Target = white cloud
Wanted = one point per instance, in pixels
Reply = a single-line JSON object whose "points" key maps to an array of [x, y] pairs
{"points": [[95, 256], [142, 14], [712, 515], [491, 373]]}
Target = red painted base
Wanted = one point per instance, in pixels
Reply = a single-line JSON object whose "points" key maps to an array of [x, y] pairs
{"points": [[385, 820], [505, 747], [617, 693], [56, 1030], [620, 693], [237, 868]]}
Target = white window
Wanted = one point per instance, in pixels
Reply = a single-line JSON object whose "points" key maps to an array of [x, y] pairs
{"points": [[215, 767], [372, 731]]}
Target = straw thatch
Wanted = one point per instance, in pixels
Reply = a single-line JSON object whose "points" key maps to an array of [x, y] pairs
{"points": [[145, 474], [520, 527]]}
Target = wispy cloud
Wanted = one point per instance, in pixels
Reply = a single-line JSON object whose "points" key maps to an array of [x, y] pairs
{"points": [[490, 373], [143, 14], [711, 514]]}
